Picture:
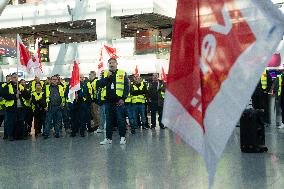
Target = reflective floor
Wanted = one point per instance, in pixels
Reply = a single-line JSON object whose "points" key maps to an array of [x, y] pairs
{"points": [[150, 159]]}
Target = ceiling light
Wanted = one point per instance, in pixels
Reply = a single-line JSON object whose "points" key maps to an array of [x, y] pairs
{"points": [[33, 27], [137, 31], [125, 26], [70, 37], [71, 24], [53, 33]]}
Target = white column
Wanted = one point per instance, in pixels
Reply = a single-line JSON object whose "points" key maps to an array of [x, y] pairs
{"points": [[107, 28]]}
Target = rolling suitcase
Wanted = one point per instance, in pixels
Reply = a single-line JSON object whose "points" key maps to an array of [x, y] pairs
{"points": [[252, 133]]}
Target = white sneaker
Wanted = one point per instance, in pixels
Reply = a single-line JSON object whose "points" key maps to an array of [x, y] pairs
{"points": [[106, 141], [122, 140], [99, 131], [281, 126]]}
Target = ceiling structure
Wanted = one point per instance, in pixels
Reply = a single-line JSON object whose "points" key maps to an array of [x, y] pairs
{"points": [[85, 30]]}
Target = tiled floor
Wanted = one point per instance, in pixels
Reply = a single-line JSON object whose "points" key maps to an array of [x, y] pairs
{"points": [[150, 159]]}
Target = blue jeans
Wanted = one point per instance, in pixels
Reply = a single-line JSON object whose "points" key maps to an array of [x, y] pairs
{"points": [[129, 112], [53, 114], [113, 111], [139, 109], [102, 116], [15, 119]]}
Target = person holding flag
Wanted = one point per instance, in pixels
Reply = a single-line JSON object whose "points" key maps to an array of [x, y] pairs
{"points": [[117, 89], [15, 95]]}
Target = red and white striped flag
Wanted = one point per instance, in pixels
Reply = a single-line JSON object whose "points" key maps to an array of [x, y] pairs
{"points": [[219, 50], [24, 53], [74, 84]]}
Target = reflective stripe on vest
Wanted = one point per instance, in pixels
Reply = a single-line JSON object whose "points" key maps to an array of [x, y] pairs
{"points": [[103, 93], [138, 98], [9, 103], [280, 84], [90, 88], [119, 81], [27, 103], [61, 93], [263, 81], [94, 86]]}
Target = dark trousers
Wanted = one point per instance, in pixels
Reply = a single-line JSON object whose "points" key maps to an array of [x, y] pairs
{"points": [[88, 116], [28, 120], [2, 117], [15, 123], [39, 116], [154, 110], [113, 111], [78, 118], [66, 117]]}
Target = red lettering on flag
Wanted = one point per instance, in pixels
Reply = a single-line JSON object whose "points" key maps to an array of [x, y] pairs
{"points": [[205, 54]]}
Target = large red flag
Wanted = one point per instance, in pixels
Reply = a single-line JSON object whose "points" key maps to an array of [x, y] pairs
{"points": [[74, 84], [219, 50]]}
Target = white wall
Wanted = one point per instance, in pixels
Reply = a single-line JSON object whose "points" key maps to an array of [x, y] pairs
{"points": [[131, 7], [50, 11]]}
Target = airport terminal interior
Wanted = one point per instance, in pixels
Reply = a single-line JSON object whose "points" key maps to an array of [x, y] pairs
{"points": [[138, 34]]}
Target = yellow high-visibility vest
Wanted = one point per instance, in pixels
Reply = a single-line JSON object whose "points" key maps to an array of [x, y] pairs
{"points": [[37, 98], [264, 80], [33, 85], [61, 93], [119, 81], [138, 98]]}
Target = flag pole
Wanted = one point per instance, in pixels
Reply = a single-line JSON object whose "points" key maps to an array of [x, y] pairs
{"points": [[18, 59]]}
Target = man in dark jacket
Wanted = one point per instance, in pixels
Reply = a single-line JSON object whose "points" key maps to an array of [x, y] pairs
{"points": [[153, 95], [117, 89]]}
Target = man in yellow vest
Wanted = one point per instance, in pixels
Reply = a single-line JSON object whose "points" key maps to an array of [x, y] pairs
{"points": [[138, 93], [8, 79], [36, 80], [117, 89], [54, 97], [94, 105], [15, 96], [38, 105]]}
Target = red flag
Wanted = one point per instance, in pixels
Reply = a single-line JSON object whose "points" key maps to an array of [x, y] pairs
{"points": [[101, 63], [74, 84], [24, 53], [163, 75], [111, 51], [136, 71], [218, 53]]}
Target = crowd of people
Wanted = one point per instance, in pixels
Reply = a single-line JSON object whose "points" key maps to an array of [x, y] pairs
{"points": [[99, 106]]}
